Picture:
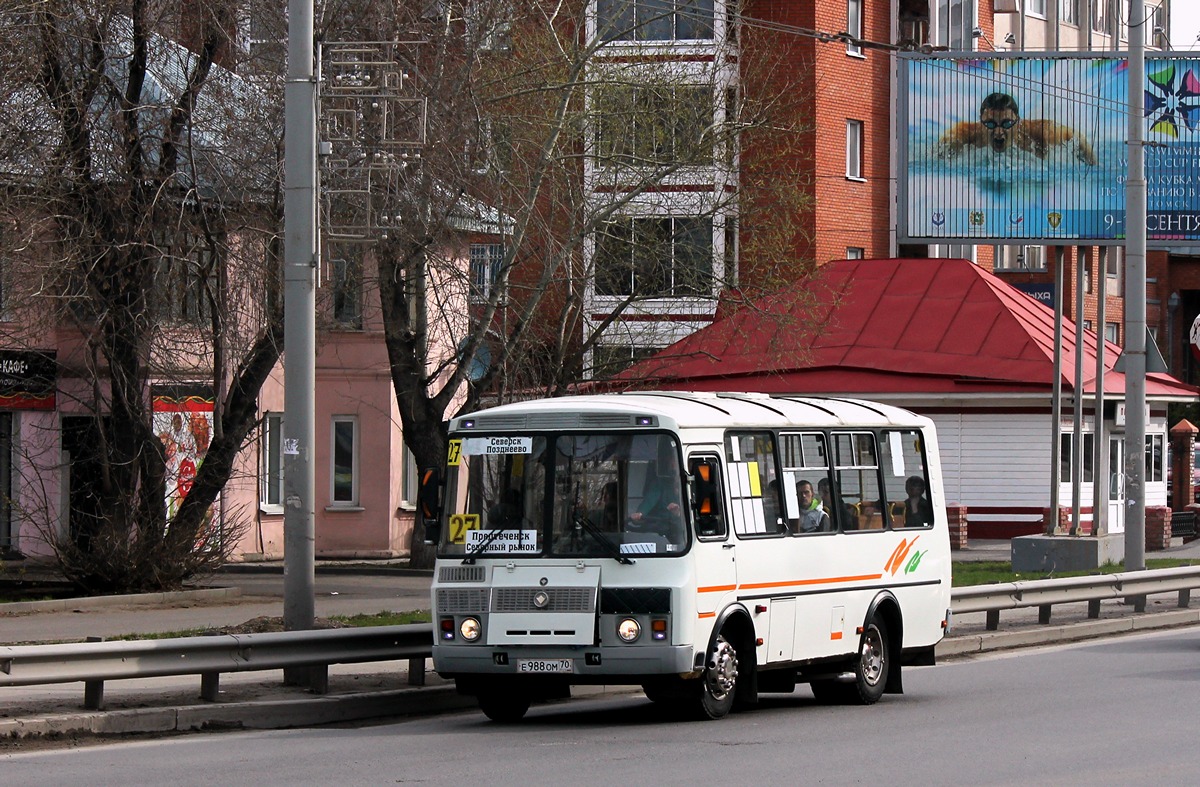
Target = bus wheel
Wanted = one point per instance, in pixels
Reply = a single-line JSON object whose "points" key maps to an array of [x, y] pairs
{"points": [[503, 707], [719, 682], [870, 670], [871, 667]]}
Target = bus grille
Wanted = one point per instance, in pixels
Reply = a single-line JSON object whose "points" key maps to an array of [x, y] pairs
{"points": [[458, 601], [581, 599], [461, 574]]}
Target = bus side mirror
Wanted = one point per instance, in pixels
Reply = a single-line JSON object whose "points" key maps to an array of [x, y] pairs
{"points": [[429, 503], [706, 496]]}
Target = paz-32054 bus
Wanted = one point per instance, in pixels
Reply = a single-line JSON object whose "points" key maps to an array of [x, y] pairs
{"points": [[708, 547]]}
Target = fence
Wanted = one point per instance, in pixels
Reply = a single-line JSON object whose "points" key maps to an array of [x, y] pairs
{"points": [[92, 663]]}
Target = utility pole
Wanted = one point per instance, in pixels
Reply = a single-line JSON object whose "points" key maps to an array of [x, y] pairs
{"points": [[1135, 305], [299, 321]]}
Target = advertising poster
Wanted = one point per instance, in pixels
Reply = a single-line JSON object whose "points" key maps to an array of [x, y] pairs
{"points": [[1021, 149], [183, 421]]}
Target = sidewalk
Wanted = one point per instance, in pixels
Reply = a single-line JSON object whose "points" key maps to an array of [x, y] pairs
{"points": [[377, 690]]}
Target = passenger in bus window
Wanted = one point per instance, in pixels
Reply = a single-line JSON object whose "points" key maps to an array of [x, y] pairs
{"points": [[812, 514], [918, 511], [660, 499], [506, 512], [825, 491], [608, 516]]}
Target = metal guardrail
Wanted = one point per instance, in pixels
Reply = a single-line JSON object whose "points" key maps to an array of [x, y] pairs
{"points": [[209, 656], [95, 662], [1044, 593]]}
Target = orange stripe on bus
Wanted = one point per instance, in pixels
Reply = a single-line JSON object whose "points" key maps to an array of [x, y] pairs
{"points": [[800, 582], [717, 589], [708, 614], [835, 635]]}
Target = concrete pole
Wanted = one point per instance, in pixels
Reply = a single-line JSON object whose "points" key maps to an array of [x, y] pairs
{"points": [[1056, 396], [299, 318], [1135, 304], [1100, 461]]}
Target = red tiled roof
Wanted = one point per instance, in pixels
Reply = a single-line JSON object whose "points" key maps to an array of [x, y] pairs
{"points": [[887, 325]]}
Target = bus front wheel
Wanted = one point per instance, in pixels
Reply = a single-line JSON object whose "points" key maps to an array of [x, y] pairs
{"points": [[718, 685], [503, 707]]}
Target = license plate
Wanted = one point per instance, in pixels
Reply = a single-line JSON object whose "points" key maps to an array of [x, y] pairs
{"points": [[544, 665]]}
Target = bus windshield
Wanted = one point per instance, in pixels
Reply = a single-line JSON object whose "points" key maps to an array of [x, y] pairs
{"points": [[576, 495]]}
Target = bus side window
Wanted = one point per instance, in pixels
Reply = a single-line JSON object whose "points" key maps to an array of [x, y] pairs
{"points": [[904, 473], [707, 496]]}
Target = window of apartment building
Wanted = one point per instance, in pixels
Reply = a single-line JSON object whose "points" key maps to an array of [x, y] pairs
{"points": [[854, 149], [1102, 20], [854, 25], [649, 125], [610, 359], [654, 20], [1112, 332], [655, 257], [731, 252], [1114, 258], [408, 480], [1020, 258], [954, 251], [6, 490], [1155, 26], [5, 265], [955, 23], [491, 152], [486, 259], [1068, 11], [270, 478], [1084, 257], [345, 284], [343, 461], [855, 252], [489, 24], [262, 32], [185, 282], [731, 127], [1037, 8]]}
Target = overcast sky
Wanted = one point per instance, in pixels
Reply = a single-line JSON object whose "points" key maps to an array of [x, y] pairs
{"points": [[1185, 24]]}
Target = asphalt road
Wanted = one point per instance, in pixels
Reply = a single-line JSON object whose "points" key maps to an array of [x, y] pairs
{"points": [[1114, 712]]}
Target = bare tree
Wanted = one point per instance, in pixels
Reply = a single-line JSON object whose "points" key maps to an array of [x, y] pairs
{"points": [[141, 207], [607, 191]]}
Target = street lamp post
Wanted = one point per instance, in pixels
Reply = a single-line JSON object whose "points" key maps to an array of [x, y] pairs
{"points": [[1135, 305], [300, 259]]}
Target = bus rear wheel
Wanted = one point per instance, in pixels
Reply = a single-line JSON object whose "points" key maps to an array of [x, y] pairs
{"points": [[503, 707], [718, 685]]}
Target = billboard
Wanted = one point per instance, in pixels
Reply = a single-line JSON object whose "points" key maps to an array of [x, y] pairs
{"points": [[1015, 149]]}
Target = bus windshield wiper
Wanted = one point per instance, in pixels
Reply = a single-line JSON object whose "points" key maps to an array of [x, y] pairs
{"points": [[469, 559], [583, 523]]}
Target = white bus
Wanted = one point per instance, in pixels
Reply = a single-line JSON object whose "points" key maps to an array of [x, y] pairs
{"points": [[708, 547]]}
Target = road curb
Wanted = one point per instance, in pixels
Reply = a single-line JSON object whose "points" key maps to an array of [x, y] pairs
{"points": [[130, 600], [255, 714], [971, 644]]}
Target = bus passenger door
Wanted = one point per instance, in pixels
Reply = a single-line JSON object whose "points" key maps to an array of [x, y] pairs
{"points": [[714, 552]]}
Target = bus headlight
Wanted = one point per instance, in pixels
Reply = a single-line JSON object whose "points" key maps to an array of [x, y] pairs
{"points": [[629, 630], [470, 629]]}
